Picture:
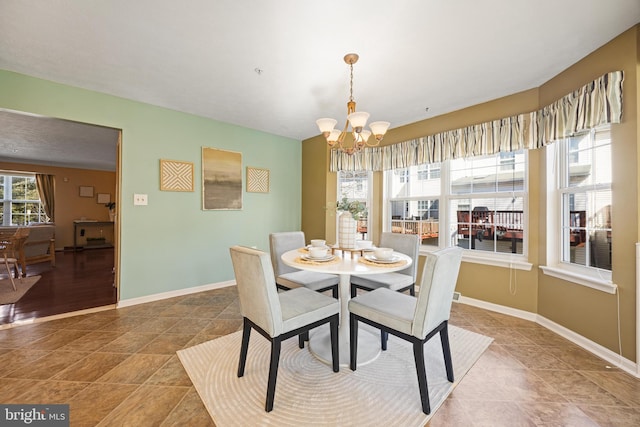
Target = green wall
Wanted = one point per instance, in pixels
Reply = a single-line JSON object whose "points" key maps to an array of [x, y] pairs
{"points": [[172, 243]]}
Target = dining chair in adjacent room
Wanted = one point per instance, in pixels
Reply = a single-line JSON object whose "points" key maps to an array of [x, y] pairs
{"points": [[277, 315], [415, 319], [11, 253], [403, 280], [291, 278]]}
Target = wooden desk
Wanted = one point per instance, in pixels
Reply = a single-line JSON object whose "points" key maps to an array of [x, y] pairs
{"points": [[85, 225]]}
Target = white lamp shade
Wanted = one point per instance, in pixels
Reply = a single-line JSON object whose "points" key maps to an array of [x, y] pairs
{"points": [[364, 135], [358, 119], [333, 136], [326, 125], [379, 128]]}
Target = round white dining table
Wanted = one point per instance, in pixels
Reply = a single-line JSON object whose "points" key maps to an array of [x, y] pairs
{"points": [[320, 339]]}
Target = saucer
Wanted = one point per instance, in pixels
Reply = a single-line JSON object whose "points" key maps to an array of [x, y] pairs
{"points": [[322, 259], [391, 260]]}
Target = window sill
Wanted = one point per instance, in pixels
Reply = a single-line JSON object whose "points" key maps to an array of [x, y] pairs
{"points": [[506, 261], [580, 279]]}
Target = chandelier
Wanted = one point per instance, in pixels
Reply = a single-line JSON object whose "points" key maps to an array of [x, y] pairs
{"points": [[357, 120]]}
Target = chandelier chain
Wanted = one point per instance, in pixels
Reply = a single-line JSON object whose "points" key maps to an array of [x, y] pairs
{"points": [[351, 83]]}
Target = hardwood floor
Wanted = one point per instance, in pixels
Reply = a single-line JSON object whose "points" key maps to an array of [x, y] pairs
{"points": [[80, 280]]}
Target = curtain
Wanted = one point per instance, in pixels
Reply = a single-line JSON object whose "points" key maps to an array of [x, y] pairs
{"points": [[508, 134], [45, 186], [596, 103]]}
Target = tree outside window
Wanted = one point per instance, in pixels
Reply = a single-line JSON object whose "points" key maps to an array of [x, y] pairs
{"points": [[20, 201]]}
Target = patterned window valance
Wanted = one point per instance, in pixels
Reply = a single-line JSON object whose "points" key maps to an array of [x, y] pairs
{"points": [[596, 103]]}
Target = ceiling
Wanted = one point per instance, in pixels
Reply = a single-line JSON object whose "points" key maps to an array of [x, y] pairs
{"points": [[27, 138], [276, 65]]}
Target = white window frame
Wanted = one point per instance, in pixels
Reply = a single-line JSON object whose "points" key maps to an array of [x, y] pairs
{"points": [[507, 260], [591, 277], [8, 200], [368, 200]]}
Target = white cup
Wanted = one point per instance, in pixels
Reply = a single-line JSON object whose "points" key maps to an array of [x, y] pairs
{"points": [[383, 253], [364, 244], [318, 242], [317, 252]]}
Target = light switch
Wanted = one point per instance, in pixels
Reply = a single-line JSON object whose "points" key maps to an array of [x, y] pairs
{"points": [[140, 200]]}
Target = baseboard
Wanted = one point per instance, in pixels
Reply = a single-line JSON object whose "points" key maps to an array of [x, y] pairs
{"points": [[57, 316], [173, 294], [604, 353], [522, 314]]}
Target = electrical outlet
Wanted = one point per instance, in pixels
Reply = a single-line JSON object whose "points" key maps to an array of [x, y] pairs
{"points": [[140, 200]]}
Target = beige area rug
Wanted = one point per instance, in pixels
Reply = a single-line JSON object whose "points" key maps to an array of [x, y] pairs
{"points": [[381, 393], [9, 296]]}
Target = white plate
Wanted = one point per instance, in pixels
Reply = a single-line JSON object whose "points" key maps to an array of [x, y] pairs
{"points": [[383, 261], [323, 259]]}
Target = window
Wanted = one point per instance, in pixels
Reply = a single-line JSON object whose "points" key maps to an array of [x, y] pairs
{"points": [[487, 203], [584, 189], [480, 200], [578, 217], [413, 196], [356, 186], [20, 201]]}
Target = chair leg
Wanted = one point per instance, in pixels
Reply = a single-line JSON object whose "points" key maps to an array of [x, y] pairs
{"points": [[354, 291], [412, 290], [353, 341], [335, 354], [418, 355], [446, 350], [244, 347], [384, 337], [302, 338], [273, 373], [6, 263], [334, 292]]}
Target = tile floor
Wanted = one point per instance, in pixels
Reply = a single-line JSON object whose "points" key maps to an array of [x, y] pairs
{"points": [[119, 368]]}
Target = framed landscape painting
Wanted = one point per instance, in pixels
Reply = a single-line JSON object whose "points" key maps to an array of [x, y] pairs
{"points": [[221, 179]]}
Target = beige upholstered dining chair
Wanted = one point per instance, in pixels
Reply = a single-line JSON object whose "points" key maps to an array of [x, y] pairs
{"points": [[400, 281], [291, 278], [12, 254], [413, 319], [277, 315]]}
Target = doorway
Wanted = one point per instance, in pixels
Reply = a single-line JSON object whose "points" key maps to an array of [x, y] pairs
{"points": [[77, 155]]}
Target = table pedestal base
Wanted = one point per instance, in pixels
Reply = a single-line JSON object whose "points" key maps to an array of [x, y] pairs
{"points": [[320, 346]]}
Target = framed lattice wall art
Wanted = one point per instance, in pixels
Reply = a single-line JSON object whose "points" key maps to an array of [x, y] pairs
{"points": [[176, 175], [257, 180]]}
